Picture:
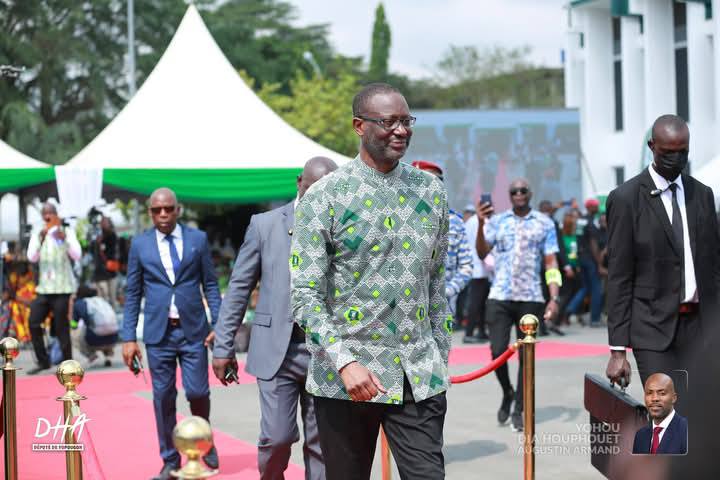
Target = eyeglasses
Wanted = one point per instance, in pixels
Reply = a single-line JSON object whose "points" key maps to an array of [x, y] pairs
{"points": [[390, 123], [521, 191], [159, 210]]}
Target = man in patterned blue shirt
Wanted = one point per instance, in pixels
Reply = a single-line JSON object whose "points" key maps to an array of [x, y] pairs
{"points": [[522, 239], [458, 263]]}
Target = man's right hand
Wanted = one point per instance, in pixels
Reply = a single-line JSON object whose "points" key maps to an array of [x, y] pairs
{"points": [[484, 211], [618, 368], [361, 384], [219, 365], [130, 350]]}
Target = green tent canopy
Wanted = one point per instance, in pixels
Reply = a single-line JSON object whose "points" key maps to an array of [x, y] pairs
{"points": [[196, 127], [19, 172], [220, 185]]}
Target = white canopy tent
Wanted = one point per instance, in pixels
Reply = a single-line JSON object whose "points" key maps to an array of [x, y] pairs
{"points": [[196, 127], [24, 176]]}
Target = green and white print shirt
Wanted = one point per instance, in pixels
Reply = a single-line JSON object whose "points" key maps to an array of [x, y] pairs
{"points": [[368, 279], [55, 268]]}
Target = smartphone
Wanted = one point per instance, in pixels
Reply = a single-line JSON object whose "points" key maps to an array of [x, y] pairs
{"points": [[567, 203], [485, 198], [136, 365], [231, 373]]}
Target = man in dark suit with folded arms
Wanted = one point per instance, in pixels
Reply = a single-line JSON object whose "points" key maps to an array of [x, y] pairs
{"points": [[664, 262], [667, 433], [167, 265], [277, 355]]}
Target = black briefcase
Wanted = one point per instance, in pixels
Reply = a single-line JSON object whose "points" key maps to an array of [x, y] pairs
{"points": [[615, 416]]}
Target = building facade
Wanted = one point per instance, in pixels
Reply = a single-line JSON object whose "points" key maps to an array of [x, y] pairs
{"points": [[628, 62]]}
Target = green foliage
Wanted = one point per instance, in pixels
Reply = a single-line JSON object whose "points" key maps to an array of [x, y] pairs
{"points": [[72, 73], [496, 77], [380, 50], [320, 107], [74, 52]]}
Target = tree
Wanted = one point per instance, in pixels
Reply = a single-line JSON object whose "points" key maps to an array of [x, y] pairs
{"points": [[74, 53], [496, 77], [72, 77], [319, 107], [380, 50]]}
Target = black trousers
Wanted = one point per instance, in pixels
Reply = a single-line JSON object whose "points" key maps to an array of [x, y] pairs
{"points": [[501, 316], [479, 288], [675, 361], [39, 310], [349, 430]]}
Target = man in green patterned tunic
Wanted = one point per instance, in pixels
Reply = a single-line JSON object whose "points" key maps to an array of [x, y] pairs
{"points": [[368, 287]]}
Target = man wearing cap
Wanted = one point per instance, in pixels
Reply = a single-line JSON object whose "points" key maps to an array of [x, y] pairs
{"points": [[458, 263], [588, 255]]}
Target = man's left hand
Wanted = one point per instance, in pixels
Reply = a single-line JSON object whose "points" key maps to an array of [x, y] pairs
{"points": [[209, 339], [551, 310]]}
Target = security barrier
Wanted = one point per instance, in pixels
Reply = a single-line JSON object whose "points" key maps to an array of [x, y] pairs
{"points": [[528, 325], [10, 348]]}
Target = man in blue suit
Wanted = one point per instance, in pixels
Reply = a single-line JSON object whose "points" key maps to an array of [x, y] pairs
{"points": [[167, 265], [668, 431]]}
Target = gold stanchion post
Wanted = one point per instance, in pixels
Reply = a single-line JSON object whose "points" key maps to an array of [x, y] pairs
{"points": [[70, 374], [528, 325], [193, 438], [10, 349], [386, 458]]}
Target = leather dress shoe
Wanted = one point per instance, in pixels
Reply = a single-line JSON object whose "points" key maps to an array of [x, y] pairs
{"points": [[211, 459], [504, 411], [165, 472]]}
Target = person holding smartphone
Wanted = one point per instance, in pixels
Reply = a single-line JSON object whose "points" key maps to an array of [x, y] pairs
{"points": [[170, 266], [53, 247], [521, 239]]}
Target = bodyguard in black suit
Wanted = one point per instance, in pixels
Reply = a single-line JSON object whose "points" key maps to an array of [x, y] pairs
{"points": [[667, 433], [664, 261]]}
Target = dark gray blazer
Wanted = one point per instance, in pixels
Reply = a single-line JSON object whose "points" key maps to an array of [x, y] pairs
{"points": [[263, 257]]}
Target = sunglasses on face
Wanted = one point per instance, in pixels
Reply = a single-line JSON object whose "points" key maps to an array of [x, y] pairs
{"points": [[521, 191], [159, 210]]}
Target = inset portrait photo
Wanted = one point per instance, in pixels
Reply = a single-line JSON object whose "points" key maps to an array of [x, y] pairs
{"points": [[667, 430]]}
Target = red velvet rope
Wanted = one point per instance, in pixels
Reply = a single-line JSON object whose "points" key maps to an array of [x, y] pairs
{"points": [[492, 366]]}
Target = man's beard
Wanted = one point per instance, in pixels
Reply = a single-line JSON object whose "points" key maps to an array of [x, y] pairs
{"points": [[383, 152]]}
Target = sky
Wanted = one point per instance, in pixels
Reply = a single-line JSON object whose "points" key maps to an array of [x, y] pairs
{"points": [[423, 29]]}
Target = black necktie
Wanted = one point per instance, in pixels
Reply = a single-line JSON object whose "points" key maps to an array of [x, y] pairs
{"points": [[677, 227]]}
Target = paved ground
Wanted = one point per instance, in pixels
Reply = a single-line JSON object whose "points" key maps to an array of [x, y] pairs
{"points": [[475, 445]]}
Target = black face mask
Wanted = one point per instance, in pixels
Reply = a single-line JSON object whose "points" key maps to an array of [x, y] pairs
{"points": [[671, 164]]}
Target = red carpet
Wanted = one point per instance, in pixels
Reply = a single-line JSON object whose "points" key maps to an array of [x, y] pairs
{"points": [[123, 428], [123, 431], [543, 351]]}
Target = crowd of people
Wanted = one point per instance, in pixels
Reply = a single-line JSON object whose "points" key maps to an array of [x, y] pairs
{"points": [[354, 288]]}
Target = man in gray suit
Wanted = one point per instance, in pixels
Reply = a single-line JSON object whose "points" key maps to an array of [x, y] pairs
{"points": [[277, 356]]}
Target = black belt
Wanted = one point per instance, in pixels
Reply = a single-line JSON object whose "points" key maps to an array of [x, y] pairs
{"points": [[174, 322], [298, 334]]}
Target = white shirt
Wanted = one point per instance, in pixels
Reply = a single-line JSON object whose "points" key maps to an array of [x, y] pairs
{"points": [[666, 197], [480, 268], [664, 424], [164, 248]]}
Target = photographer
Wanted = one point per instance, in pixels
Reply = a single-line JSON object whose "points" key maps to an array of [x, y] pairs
{"points": [[95, 325], [105, 257], [52, 247]]}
